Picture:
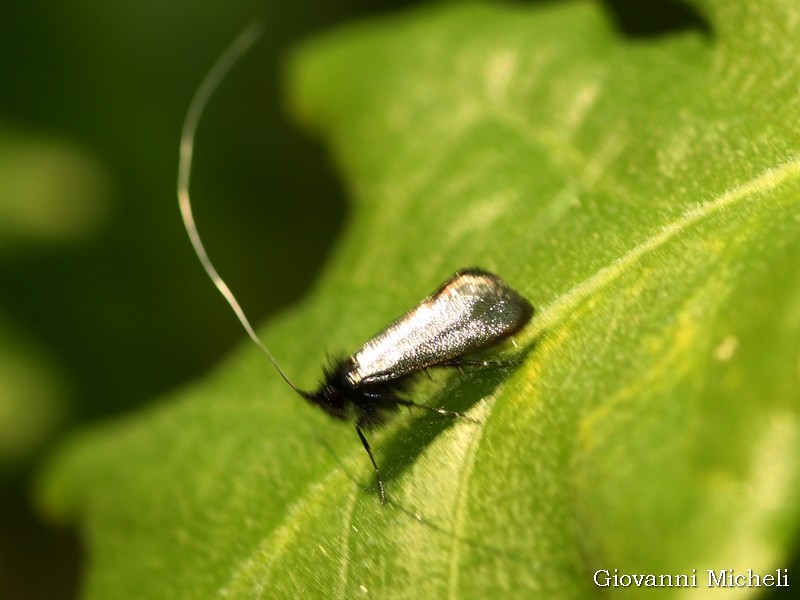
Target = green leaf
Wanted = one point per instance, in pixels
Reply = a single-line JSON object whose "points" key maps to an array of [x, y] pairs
{"points": [[642, 191]]}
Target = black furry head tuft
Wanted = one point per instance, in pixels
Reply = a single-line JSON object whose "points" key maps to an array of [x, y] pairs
{"points": [[369, 405]]}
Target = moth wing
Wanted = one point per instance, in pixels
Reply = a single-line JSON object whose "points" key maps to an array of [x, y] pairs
{"points": [[471, 311]]}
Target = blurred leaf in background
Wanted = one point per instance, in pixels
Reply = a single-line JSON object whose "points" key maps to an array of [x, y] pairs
{"points": [[49, 193], [640, 183]]}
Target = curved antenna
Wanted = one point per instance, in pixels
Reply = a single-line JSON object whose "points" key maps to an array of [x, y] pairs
{"points": [[224, 63]]}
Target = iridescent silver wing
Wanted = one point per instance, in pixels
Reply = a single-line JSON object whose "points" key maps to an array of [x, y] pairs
{"points": [[471, 311]]}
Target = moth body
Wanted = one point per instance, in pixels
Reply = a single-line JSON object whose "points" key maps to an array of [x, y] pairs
{"points": [[471, 311]]}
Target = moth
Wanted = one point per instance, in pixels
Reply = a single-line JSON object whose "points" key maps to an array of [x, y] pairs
{"points": [[473, 310]]}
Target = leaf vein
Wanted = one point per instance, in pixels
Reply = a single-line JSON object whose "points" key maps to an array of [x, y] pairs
{"points": [[565, 304]]}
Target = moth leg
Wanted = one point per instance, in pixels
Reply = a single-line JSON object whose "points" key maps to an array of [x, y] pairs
{"points": [[436, 409], [389, 400], [365, 443], [467, 362]]}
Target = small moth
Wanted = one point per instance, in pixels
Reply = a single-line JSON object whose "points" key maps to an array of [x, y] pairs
{"points": [[471, 311]]}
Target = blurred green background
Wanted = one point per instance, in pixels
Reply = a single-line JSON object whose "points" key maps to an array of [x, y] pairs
{"points": [[103, 305]]}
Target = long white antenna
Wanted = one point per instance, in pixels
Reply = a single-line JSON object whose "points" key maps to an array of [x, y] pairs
{"points": [[224, 63]]}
